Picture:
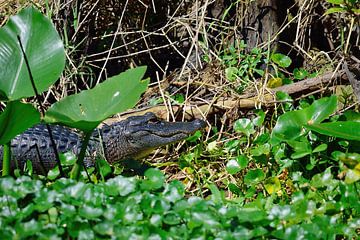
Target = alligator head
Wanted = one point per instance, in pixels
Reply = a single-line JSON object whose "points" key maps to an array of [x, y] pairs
{"points": [[142, 134]]}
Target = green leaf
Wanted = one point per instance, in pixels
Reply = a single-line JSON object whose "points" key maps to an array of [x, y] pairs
{"points": [[155, 179], [233, 167], [320, 148], [90, 107], [272, 185], [105, 228], [335, 10], [120, 186], [245, 126], [254, 176], [104, 167], [67, 159], [281, 60], [89, 212], [231, 73], [13, 122], [353, 175], [290, 125], [53, 173], [259, 120], [300, 73], [346, 130], [337, 2], [44, 50], [243, 161]]}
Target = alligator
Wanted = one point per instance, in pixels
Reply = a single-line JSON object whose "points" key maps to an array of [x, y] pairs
{"points": [[132, 138]]}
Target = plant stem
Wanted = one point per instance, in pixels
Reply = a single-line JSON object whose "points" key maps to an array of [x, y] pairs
{"points": [[75, 171], [42, 109], [6, 159]]}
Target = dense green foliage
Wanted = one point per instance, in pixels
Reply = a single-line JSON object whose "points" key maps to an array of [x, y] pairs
{"points": [[129, 208]]}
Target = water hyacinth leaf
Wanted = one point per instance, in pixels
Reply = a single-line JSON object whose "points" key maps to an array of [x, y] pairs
{"points": [[88, 108], [43, 48], [233, 167], [155, 179], [290, 125], [254, 176], [231, 73], [67, 159], [120, 185], [12, 120], [259, 120], [346, 130], [245, 126], [89, 212], [272, 185], [300, 73], [281, 60], [353, 175], [243, 161], [53, 173]]}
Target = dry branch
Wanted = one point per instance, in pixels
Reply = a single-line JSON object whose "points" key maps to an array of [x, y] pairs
{"points": [[247, 101]]}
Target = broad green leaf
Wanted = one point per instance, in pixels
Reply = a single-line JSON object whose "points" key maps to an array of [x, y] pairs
{"points": [[272, 185], [300, 73], [275, 82], [245, 126], [233, 167], [53, 173], [243, 161], [353, 175], [320, 148], [254, 176], [231, 73], [67, 158], [44, 50], [105, 228], [13, 122], [259, 120], [346, 130], [281, 60], [90, 107], [90, 212], [290, 125], [155, 179], [104, 167]]}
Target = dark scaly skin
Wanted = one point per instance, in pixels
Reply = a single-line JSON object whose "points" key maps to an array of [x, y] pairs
{"points": [[132, 138]]}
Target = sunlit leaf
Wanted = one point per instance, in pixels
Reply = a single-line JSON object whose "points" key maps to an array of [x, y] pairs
{"points": [[291, 125], [233, 166], [281, 60], [13, 122], [44, 50], [346, 130], [254, 176], [90, 107], [272, 185]]}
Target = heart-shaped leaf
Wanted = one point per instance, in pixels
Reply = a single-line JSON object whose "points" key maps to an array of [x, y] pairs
{"points": [[44, 50], [16, 118], [290, 125], [87, 109]]}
